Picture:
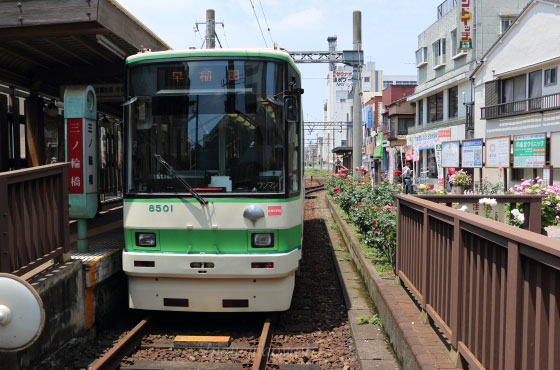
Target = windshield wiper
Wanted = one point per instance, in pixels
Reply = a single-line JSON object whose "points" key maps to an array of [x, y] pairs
{"points": [[170, 170]]}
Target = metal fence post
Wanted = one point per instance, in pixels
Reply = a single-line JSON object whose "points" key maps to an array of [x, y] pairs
{"points": [[425, 267], [513, 306]]}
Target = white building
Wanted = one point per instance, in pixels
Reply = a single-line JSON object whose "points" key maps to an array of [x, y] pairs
{"points": [[516, 86], [444, 90], [339, 106]]}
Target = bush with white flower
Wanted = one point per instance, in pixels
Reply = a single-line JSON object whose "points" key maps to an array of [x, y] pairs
{"points": [[517, 218], [487, 204]]}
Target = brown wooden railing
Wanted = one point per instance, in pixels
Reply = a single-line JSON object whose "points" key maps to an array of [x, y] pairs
{"points": [[531, 204], [492, 289], [538, 104], [33, 217]]}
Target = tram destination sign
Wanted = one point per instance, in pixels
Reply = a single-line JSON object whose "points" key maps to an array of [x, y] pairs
{"points": [[529, 151]]}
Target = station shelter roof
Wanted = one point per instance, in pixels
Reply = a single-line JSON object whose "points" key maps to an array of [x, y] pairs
{"points": [[46, 45]]}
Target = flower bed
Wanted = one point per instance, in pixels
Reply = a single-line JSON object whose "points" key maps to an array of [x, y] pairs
{"points": [[550, 209], [370, 209]]}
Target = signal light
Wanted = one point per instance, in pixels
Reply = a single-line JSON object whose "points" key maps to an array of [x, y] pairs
{"points": [[262, 265]]}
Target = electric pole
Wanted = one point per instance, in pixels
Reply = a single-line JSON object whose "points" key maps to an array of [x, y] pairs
{"points": [[357, 110]]}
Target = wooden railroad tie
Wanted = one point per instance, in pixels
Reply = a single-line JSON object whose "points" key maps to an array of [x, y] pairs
{"points": [[197, 341]]}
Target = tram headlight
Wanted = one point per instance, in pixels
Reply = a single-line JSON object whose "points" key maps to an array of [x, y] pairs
{"points": [[262, 240], [145, 239]]}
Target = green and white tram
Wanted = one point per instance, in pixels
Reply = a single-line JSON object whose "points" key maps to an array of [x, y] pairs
{"points": [[213, 208]]}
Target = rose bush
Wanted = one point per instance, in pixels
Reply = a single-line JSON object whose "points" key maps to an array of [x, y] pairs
{"points": [[370, 209], [550, 209]]}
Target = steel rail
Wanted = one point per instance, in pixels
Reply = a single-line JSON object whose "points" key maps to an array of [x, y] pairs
{"points": [[263, 349], [112, 359]]}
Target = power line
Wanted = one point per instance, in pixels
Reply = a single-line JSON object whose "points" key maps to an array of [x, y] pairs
{"points": [[259, 23], [266, 21]]}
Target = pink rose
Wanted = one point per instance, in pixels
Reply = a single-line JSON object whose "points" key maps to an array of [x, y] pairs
{"points": [[388, 207]]}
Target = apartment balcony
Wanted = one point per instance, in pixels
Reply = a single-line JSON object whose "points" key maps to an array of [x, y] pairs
{"points": [[516, 108]]}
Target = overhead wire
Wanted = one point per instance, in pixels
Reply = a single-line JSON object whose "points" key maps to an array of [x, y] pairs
{"points": [[259, 23], [266, 21]]}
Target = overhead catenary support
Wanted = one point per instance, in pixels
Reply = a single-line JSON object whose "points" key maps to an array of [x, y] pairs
{"points": [[357, 89]]}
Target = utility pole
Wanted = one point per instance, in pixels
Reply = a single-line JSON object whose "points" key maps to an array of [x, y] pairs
{"points": [[357, 89], [210, 29]]}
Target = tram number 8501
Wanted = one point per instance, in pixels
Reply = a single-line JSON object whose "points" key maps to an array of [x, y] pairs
{"points": [[160, 208]]}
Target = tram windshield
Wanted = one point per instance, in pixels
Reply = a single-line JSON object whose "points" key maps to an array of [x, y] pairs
{"points": [[219, 124]]}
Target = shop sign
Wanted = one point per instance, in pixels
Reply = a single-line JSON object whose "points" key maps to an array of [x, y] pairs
{"points": [[439, 166], [471, 153], [450, 154], [465, 28], [529, 151], [555, 149], [497, 151]]}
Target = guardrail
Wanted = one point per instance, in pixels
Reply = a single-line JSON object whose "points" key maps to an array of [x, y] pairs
{"points": [[33, 217], [531, 204], [492, 289], [538, 104]]}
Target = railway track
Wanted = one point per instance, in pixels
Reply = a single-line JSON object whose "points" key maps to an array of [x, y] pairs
{"points": [[134, 339]]}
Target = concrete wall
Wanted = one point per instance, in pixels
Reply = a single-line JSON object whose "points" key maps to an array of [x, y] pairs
{"points": [[62, 290]]}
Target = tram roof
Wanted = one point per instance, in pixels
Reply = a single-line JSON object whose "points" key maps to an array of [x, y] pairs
{"points": [[45, 46], [267, 53]]}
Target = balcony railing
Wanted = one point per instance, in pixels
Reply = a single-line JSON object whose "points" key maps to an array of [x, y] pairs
{"points": [[445, 7], [539, 104]]}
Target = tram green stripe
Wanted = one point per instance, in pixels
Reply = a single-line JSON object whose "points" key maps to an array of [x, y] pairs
{"points": [[214, 241], [134, 59], [211, 200]]}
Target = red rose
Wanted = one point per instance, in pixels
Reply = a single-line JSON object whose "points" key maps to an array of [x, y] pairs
{"points": [[373, 221], [336, 188]]}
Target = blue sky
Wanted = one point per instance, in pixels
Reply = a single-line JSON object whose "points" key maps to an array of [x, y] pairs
{"points": [[390, 30]]}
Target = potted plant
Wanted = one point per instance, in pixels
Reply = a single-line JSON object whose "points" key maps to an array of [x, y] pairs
{"points": [[460, 180]]}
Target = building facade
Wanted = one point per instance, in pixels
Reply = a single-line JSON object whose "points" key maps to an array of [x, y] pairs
{"points": [[517, 91], [444, 94]]}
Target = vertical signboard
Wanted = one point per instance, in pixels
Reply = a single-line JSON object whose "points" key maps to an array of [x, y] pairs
{"points": [[439, 166], [555, 149], [80, 114], [498, 151], [471, 153], [465, 25], [529, 151], [74, 148], [450, 154]]}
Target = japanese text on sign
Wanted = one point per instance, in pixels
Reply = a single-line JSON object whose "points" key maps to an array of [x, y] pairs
{"points": [[464, 32]]}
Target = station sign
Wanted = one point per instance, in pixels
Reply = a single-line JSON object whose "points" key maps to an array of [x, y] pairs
{"points": [[80, 118]]}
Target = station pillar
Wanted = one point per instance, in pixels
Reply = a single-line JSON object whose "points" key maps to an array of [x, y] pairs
{"points": [[80, 122]]}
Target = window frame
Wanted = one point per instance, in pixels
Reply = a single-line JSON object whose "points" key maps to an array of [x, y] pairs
{"points": [[424, 56], [550, 70], [439, 57]]}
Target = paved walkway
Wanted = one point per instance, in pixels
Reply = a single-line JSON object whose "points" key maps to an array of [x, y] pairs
{"points": [[373, 349]]}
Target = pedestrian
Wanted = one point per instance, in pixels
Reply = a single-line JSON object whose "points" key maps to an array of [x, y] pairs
{"points": [[407, 174]]}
